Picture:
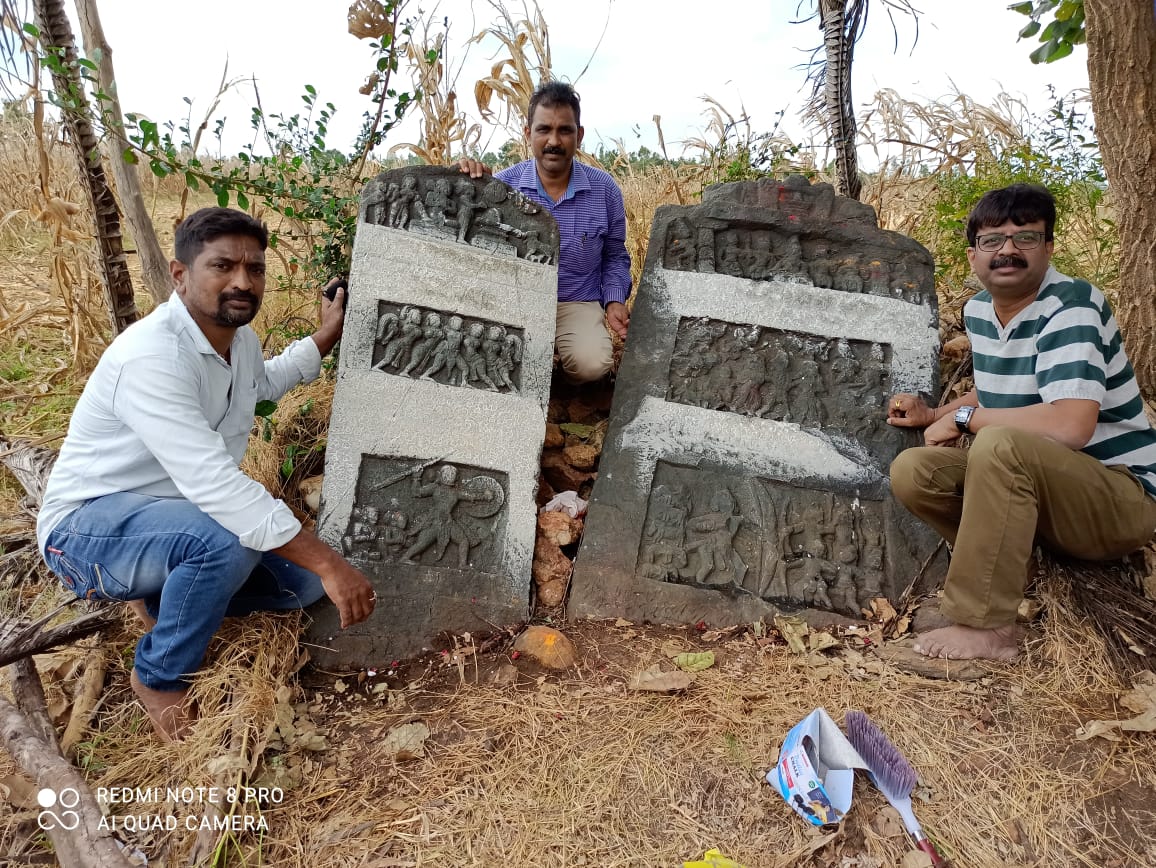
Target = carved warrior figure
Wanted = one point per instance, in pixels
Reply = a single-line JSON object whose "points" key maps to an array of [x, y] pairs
{"points": [[499, 358], [665, 554], [472, 355], [431, 335], [405, 202], [439, 201], [466, 206], [447, 354], [716, 549], [440, 526], [362, 534]]}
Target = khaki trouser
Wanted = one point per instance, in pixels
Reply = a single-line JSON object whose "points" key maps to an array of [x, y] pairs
{"points": [[1009, 491], [582, 341]]}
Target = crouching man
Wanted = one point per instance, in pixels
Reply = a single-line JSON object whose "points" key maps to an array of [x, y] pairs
{"points": [[1063, 453], [146, 503]]}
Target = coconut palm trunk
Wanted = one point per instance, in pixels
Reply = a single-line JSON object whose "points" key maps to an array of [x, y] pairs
{"points": [[840, 21], [57, 39]]}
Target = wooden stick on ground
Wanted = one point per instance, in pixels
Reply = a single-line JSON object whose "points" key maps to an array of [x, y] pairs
{"points": [[86, 699], [75, 829]]}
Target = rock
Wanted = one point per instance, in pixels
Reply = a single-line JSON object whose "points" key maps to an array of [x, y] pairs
{"points": [[550, 564], [582, 413], [552, 594], [310, 490], [559, 528], [554, 436], [547, 646], [581, 456], [556, 411], [560, 474]]}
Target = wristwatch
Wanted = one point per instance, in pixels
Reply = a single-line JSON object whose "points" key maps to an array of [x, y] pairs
{"points": [[963, 418]]}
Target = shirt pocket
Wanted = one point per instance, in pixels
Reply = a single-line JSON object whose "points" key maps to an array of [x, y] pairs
{"points": [[237, 422], [582, 251]]}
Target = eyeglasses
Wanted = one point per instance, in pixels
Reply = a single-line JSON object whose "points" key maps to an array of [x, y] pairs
{"points": [[1026, 240]]}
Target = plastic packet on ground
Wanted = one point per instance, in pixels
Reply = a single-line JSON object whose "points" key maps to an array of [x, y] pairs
{"points": [[712, 859], [816, 769], [568, 502]]}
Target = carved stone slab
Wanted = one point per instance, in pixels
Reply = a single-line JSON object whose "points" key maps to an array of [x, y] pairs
{"points": [[439, 411], [745, 467]]}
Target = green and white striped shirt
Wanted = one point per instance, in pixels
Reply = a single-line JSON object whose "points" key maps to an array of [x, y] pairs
{"points": [[1065, 344]]}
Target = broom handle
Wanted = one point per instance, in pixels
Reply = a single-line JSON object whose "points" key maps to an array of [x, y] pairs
{"points": [[924, 844]]}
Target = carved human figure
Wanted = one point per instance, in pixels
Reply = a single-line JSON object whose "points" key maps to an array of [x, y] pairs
{"points": [[378, 201], [664, 552], [877, 278], [472, 355], [443, 526], [431, 335], [439, 201], [536, 249], [807, 389], [362, 533], [778, 366], [680, 253], [751, 375], [814, 573], [511, 357], [789, 254], [727, 258], [466, 206], [706, 250], [398, 334], [447, 354], [496, 353], [392, 533], [716, 550], [405, 204], [847, 277]]}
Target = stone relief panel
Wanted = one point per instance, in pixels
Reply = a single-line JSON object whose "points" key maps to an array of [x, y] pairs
{"points": [[777, 541], [481, 212], [432, 513], [447, 348], [774, 254], [814, 381]]}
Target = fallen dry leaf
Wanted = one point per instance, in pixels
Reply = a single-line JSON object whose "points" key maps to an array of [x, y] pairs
{"points": [[406, 741], [793, 630], [882, 610], [915, 859], [1141, 699], [689, 661], [657, 681], [821, 641]]}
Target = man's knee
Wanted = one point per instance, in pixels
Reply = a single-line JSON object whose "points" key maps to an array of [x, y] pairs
{"points": [[585, 364], [999, 446], [911, 475]]}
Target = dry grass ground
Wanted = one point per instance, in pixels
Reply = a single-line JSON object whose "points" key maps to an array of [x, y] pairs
{"points": [[526, 767]]}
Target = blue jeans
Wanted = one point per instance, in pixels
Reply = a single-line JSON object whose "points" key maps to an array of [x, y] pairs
{"points": [[190, 572]]}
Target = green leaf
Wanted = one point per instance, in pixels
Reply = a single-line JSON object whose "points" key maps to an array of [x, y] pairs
{"points": [[690, 661], [287, 467], [1062, 51], [1022, 8], [242, 201], [157, 168], [223, 197], [265, 408], [1031, 30], [129, 156], [31, 29]]}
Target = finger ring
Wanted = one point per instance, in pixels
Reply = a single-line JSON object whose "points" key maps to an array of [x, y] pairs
{"points": [[898, 405]]}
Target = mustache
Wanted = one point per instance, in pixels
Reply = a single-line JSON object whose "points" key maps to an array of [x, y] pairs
{"points": [[239, 296], [561, 152], [1009, 262]]}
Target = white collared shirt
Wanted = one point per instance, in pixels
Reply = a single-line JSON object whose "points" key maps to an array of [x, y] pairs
{"points": [[164, 414]]}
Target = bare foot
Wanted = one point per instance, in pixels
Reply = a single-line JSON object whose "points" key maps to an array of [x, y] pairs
{"points": [[138, 608], [166, 709], [958, 642]]}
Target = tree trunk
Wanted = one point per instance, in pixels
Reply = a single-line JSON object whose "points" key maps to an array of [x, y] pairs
{"points": [[840, 26], [57, 39], [1122, 72], [154, 264]]}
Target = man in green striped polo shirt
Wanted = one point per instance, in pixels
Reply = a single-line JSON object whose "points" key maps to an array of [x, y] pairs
{"points": [[1063, 453]]}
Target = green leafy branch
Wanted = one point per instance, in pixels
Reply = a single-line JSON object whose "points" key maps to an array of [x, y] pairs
{"points": [[1066, 30]]}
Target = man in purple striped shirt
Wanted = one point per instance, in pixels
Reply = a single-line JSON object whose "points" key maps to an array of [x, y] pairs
{"points": [[593, 266]]}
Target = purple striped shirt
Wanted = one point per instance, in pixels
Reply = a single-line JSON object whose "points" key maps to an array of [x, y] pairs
{"points": [[593, 264]]}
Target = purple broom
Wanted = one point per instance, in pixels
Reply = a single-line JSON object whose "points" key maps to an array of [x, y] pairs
{"points": [[891, 772]]}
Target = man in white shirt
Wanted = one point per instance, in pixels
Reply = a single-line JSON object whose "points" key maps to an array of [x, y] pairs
{"points": [[146, 503]]}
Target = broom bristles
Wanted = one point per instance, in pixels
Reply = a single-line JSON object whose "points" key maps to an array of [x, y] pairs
{"points": [[894, 775]]}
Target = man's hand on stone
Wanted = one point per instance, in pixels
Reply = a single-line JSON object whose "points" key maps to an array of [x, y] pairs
{"points": [[350, 591], [909, 411], [618, 318], [332, 318], [474, 168], [942, 432]]}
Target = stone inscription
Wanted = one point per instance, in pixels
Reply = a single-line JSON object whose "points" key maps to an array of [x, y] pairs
{"points": [[433, 513], [481, 212], [773, 540], [435, 345], [786, 376]]}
